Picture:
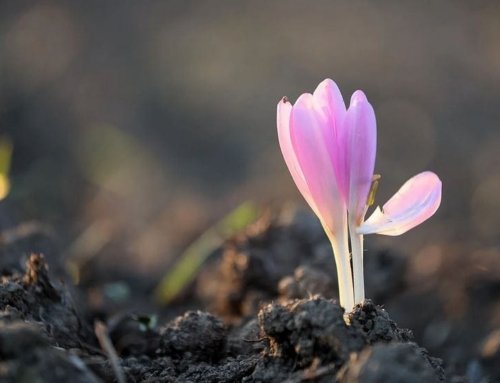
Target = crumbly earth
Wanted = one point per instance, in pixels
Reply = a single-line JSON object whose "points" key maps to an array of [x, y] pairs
{"points": [[267, 314]]}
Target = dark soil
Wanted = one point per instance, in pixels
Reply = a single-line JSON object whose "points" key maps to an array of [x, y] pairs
{"points": [[267, 314]]}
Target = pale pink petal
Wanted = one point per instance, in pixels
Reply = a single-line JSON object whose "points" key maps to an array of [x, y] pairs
{"points": [[285, 141], [329, 102], [332, 110], [360, 129], [417, 200], [312, 140]]}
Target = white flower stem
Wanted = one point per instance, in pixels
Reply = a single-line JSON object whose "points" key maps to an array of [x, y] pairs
{"points": [[357, 263], [340, 247]]}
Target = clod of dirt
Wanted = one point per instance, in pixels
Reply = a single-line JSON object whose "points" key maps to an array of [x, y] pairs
{"points": [[34, 297], [390, 363], [27, 357], [17, 337], [195, 347], [197, 336], [303, 330], [375, 324], [308, 340], [245, 340]]}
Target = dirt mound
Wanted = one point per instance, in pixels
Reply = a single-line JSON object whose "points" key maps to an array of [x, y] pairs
{"points": [[270, 315], [43, 336]]}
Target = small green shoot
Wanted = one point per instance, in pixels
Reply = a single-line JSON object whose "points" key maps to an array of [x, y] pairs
{"points": [[190, 261], [6, 148]]}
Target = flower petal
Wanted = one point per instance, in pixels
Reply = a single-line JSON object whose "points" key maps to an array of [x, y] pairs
{"points": [[417, 200], [360, 140], [331, 108], [313, 140], [285, 141], [329, 102]]}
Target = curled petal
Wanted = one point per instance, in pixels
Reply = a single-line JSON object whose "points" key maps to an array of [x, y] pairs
{"points": [[313, 141], [360, 129], [417, 200]]}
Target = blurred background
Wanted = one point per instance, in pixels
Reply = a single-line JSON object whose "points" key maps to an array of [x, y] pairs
{"points": [[128, 128]]}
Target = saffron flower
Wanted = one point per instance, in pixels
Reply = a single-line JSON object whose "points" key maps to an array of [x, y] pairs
{"points": [[330, 152]]}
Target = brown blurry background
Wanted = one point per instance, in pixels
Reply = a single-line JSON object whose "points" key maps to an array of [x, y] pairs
{"points": [[137, 124]]}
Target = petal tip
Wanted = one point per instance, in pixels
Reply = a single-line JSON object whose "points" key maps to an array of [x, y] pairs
{"points": [[358, 96], [327, 82], [305, 100]]}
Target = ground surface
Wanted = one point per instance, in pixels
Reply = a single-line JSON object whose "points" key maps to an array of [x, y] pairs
{"points": [[261, 310]]}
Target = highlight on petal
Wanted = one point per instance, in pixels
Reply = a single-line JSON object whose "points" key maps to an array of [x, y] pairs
{"points": [[312, 141], [360, 141], [285, 141], [416, 201], [329, 101], [331, 108]]}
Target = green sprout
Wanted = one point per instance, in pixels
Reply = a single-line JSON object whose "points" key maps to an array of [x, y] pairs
{"points": [[193, 257]]}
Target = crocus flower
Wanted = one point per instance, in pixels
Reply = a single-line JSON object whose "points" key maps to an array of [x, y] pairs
{"points": [[330, 152], [308, 136]]}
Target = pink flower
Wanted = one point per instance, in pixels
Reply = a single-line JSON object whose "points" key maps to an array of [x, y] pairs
{"points": [[308, 136], [330, 152]]}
